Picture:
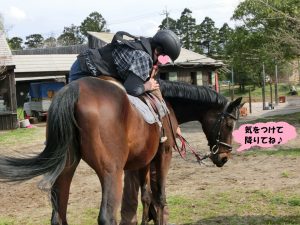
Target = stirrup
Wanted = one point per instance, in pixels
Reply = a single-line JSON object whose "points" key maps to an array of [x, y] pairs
{"points": [[163, 139]]}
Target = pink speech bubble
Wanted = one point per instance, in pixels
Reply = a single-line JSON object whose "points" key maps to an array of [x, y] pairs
{"points": [[263, 134]]}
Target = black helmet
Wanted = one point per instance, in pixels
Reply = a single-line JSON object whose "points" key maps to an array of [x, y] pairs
{"points": [[169, 42]]}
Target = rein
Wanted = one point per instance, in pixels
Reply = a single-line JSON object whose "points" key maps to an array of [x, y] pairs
{"points": [[184, 144]]}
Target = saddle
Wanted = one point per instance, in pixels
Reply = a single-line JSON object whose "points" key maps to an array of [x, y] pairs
{"points": [[156, 105], [152, 107]]}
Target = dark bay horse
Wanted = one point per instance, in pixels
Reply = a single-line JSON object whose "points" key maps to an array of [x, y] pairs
{"points": [[93, 120], [191, 103]]}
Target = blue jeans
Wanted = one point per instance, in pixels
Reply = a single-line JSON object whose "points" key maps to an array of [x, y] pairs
{"points": [[76, 72]]}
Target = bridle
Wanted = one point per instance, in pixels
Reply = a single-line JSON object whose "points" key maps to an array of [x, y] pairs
{"points": [[214, 145], [215, 141]]}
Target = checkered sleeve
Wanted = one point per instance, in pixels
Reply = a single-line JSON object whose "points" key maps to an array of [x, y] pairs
{"points": [[141, 64]]}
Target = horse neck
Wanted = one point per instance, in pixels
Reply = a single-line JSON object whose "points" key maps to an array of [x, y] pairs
{"points": [[186, 110]]}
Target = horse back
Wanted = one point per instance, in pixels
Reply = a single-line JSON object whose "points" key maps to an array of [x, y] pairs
{"points": [[112, 127]]}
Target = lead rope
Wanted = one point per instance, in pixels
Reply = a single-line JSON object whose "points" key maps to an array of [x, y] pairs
{"points": [[184, 144]]}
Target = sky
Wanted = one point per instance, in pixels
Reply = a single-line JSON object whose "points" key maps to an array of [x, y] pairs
{"points": [[49, 17]]}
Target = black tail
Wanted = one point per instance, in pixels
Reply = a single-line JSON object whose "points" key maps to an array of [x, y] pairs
{"points": [[62, 129]]}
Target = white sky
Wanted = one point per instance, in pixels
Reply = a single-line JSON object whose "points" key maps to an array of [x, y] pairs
{"points": [[48, 17]]}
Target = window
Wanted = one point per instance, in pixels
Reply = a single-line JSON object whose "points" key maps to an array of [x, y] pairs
{"points": [[199, 78], [173, 76]]}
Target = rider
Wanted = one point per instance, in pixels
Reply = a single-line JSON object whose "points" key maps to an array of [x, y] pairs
{"points": [[129, 61]]}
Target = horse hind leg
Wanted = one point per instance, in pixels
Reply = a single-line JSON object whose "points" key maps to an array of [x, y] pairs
{"points": [[146, 195], [111, 196], [162, 163], [60, 193]]}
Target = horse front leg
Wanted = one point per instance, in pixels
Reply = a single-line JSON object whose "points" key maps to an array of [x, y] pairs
{"points": [[60, 193], [162, 163], [146, 195], [111, 183]]}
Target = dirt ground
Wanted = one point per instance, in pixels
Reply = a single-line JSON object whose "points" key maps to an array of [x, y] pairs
{"points": [[185, 178]]}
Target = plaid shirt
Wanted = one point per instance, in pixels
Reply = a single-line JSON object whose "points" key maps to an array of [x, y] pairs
{"points": [[130, 61]]}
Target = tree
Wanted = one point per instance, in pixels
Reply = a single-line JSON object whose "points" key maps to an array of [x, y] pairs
{"points": [[94, 22], [15, 43], [70, 36], [224, 35], [186, 26], [277, 21], [50, 42], [208, 34], [34, 41], [169, 23]]}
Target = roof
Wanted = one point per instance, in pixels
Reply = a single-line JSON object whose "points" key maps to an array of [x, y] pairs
{"points": [[5, 53], [43, 63], [40, 78], [186, 56]]}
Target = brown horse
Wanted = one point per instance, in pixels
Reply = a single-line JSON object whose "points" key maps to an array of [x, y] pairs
{"points": [[93, 120], [188, 103]]}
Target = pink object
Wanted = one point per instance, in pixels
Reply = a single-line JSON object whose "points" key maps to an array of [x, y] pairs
{"points": [[263, 134], [164, 59]]}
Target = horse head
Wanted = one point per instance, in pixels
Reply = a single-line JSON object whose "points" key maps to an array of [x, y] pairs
{"points": [[218, 128]]}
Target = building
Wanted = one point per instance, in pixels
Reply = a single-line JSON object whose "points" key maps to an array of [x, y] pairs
{"points": [[40, 68], [53, 64], [8, 104]]}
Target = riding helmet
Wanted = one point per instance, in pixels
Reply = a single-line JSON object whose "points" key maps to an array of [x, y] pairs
{"points": [[169, 42]]}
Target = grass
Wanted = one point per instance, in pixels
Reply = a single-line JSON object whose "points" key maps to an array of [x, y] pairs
{"points": [[293, 119], [280, 152], [235, 207], [256, 93], [5, 221], [20, 112], [18, 135]]}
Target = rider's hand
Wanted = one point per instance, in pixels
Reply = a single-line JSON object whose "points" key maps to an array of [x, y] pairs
{"points": [[151, 85]]}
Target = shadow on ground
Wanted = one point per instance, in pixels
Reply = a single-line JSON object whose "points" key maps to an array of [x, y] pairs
{"points": [[249, 220]]}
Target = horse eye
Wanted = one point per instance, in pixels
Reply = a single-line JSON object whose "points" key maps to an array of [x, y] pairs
{"points": [[230, 124]]}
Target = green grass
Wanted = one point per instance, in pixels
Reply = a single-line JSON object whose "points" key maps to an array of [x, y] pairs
{"points": [[293, 119], [234, 207], [20, 112], [19, 135], [5, 221], [280, 152], [256, 93]]}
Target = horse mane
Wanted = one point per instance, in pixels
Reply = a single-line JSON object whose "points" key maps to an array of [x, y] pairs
{"points": [[184, 91]]}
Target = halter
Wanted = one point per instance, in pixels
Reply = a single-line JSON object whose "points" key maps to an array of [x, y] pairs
{"points": [[214, 146]]}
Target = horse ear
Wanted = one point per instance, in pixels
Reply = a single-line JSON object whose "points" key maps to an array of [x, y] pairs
{"points": [[235, 104], [242, 104]]}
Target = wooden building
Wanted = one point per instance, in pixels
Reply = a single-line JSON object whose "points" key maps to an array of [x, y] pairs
{"points": [[8, 104], [32, 68], [53, 64]]}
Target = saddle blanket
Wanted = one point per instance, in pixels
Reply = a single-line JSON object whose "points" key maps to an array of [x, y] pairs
{"points": [[145, 111]]}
